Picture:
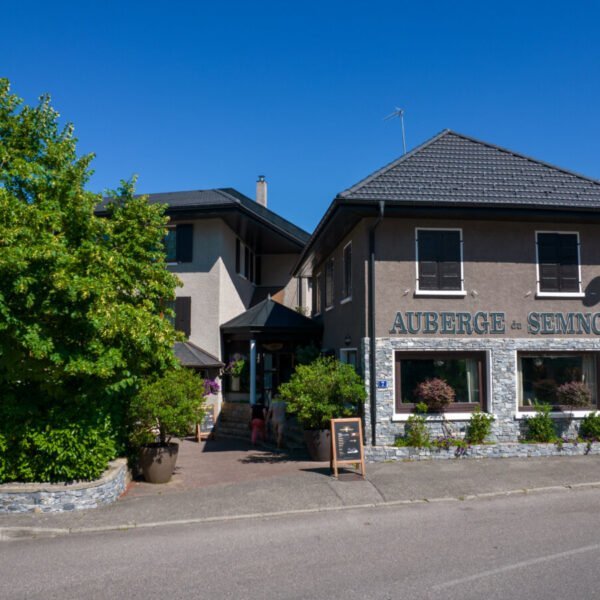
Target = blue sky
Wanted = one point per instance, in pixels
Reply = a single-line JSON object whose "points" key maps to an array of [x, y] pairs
{"points": [[192, 95]]}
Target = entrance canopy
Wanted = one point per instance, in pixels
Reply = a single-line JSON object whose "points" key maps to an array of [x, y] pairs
{"points": [[270, 319]]}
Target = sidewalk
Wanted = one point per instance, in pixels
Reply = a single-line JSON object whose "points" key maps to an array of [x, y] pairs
{"points": [[229, 479]]}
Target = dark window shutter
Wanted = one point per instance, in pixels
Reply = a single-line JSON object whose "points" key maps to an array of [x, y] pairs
{"points": [[449, 261], [183, 314], [569, 263], [246, 262], [258, 268], [428, 260], [558, 258], [185, 247], [238, 258]]}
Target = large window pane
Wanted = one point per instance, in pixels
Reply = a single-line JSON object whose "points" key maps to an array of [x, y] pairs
{"points": [[462, 374], [171, 244], [542, 375]]}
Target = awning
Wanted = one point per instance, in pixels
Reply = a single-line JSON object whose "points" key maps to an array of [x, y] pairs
{"points": [[271, 317], [190, 355]]}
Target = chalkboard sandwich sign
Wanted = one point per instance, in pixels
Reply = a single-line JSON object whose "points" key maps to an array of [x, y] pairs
{"points": [[208, 427], [346, 439]]}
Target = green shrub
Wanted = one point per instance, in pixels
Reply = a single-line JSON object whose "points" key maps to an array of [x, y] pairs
{"points": [[480, 426], [323, 390], [61, 446], [540, 427], [589, 429], [416, 433], [167, 406]]}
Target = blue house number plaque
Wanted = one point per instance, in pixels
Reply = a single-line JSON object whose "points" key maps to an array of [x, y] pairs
{"points": [[381, 384]]}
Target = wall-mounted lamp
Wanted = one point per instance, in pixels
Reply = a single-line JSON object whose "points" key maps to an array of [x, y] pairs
{"points": [[347, 340]]}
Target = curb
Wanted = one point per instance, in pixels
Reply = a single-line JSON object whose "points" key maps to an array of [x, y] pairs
{"points": [[15, 533]]}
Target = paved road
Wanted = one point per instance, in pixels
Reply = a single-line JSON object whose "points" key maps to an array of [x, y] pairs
{"points": [[542, 546]]}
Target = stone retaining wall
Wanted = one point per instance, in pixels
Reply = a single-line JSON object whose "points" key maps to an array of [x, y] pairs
{"points": [[500, 450], [47, 497]]}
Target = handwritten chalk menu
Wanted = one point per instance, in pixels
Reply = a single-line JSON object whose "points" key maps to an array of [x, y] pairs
{"points": [[347, 446], [208, 426]]}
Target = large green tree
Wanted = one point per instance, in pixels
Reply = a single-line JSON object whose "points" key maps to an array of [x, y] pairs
{"points": [[81, 297]]}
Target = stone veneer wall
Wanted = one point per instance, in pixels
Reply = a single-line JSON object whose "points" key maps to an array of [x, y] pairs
{"points": [[502, 372], [500, 450], [46, 497]]}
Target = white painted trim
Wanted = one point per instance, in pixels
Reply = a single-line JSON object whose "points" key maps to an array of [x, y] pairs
{"points": [[575, 414], [346, 300], [540, 294], [456, 293], [560, 294], [403, 417], [419, 292]]}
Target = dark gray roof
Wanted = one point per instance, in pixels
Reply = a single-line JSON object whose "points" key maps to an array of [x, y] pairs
{"points": [[190, 355], [222, 199], [269, 315], [454, 168]]}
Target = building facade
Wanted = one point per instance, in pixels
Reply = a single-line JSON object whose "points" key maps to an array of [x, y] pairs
{"points": [[467, 263]]}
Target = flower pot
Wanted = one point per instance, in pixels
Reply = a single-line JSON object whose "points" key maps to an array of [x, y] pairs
{"points": [[318, 444], [157, 461], [235, 384]]}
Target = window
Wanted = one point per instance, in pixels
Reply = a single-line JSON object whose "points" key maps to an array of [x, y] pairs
{"points": [[347, 289], [542, 374], [463, 371], [558, 263], [439, 260], [246, 263], [329, 297], [349, 356], [179, 243]]}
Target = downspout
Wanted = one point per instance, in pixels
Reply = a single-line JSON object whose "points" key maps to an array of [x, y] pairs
{"points": [[371, 300]]}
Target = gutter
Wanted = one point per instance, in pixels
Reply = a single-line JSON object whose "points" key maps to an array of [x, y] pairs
{"points": [[371, 301]]}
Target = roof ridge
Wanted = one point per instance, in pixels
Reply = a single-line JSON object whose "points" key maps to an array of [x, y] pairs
{"points": [[394, 163], [523, 156]]}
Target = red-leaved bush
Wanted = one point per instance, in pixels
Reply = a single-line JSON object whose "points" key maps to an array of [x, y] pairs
{"points": [[436, 393], [574, 394]]}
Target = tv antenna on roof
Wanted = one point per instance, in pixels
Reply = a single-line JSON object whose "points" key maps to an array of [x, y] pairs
{"points": [[399, 112]]}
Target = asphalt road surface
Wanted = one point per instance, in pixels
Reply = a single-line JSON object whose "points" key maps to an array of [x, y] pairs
{"points": [[542, 546]]}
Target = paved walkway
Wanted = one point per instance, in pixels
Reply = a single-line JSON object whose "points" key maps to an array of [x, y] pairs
{"points": [[228, 479]]}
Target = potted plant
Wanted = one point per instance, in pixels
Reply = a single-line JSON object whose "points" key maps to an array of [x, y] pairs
{"points": [[234, 369], [436, 393], [165, 407], [320, 391]]}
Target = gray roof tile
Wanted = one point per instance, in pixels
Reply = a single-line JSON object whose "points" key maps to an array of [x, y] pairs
{"points": [[454, 168]]}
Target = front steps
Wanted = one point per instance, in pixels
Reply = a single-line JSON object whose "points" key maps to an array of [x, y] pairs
{"points": [[235, 417]]}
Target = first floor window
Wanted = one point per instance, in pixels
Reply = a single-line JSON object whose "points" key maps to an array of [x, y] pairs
{"points": [[558, 262], [555, 378], [439, 260], [349, 356], [463, 372], [347, 291]]}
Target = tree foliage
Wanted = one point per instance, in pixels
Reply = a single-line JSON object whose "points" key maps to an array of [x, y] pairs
{"points": [[81, 293]]}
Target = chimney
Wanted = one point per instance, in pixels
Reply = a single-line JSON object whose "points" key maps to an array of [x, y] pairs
{"points": [[261, 191]]}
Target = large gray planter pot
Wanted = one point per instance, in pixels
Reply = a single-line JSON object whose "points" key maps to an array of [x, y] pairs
{"points": [[318, 444], [157, 462]]}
